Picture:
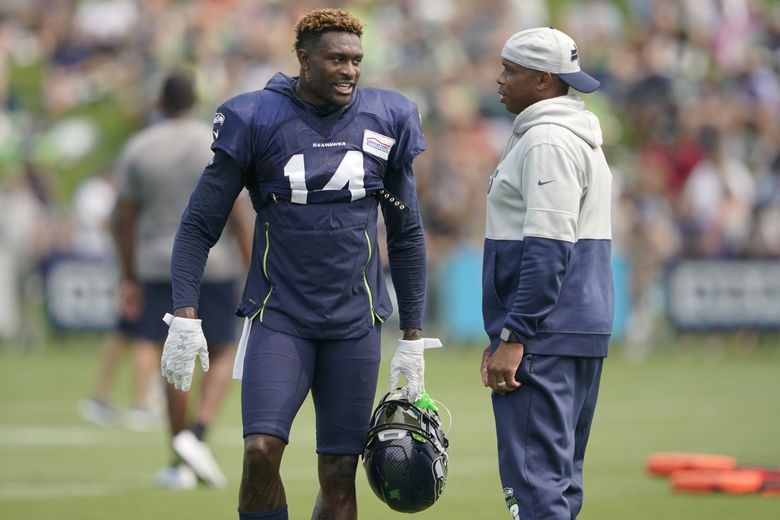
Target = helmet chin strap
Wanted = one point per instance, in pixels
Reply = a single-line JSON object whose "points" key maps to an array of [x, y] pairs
{"points": [[449, 414]]}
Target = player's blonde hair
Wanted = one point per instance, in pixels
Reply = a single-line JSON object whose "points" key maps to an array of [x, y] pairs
{"points": [[319, 21]]}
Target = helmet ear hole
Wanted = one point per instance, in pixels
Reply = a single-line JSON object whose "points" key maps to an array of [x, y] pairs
{"points": [[405, 455]]}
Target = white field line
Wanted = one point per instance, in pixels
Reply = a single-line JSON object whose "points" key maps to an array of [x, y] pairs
{"points": [[87, 435], [22, 435], [27, 490]]}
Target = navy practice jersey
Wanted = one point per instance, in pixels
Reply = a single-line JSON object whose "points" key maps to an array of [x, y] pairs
{"points": [[313, 178]]}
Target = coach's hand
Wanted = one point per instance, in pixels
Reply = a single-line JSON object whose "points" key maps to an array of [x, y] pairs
{"points": [[409, 361], [185, 341], [498, 369], [483, 365]]}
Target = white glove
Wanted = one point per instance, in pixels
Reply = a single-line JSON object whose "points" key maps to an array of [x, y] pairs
{"points": [[409, 361], [185, 341]]}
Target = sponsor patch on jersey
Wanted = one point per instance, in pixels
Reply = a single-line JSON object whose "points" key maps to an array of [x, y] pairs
{"points": [[377, 144], [219, 118]]}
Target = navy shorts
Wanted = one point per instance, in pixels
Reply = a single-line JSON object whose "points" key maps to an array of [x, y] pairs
{"points": [[216, 309], [127, 327], [542, 430], [279, 371]]}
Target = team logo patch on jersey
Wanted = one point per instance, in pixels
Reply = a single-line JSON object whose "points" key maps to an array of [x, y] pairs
{"points": [[377, 144], [219, 118]]}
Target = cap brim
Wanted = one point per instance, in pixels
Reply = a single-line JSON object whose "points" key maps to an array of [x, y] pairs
{"points": [[580, 81]]}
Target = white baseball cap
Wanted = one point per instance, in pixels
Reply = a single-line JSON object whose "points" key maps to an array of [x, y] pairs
{"points": [[549, 50]]}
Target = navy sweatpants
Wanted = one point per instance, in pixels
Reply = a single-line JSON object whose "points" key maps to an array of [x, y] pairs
{"points": [[542, 430]]}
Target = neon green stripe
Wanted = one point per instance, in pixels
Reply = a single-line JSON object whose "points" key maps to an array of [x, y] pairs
{"points": [[265, 273], [365, 280], [262, 309], [265, 253]]}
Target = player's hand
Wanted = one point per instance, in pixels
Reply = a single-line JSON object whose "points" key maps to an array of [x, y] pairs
{"points": [[409, 361], [130, 299], [184, 343], [502, 365]]}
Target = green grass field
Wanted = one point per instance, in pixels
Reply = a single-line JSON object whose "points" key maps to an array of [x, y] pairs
{"points": [[697, 398]]}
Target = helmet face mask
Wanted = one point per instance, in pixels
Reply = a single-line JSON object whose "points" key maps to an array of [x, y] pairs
{"points": [[405, 456]]}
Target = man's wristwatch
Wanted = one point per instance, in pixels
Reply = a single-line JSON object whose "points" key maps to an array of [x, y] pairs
{"points": [[509, 336]]}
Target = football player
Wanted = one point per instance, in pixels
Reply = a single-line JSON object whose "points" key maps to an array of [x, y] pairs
{"points": [[319, 157]]}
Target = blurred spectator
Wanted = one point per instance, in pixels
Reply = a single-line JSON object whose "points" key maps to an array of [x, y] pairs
{"points": [[93, 204], [717, 202], [24, 239]]}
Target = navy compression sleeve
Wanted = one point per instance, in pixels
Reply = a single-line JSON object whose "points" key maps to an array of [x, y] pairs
{"points": [[406, 248], [201, 226]]}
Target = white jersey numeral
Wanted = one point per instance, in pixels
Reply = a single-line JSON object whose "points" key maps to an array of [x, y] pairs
{"points": [[350, 173], [296, 172]]}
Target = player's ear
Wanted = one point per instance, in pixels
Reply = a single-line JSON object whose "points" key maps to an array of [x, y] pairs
{"points": [[303, 58]]}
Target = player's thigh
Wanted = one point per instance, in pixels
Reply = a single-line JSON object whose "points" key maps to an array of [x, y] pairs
{"points": [[343, 392], [216, 309], [278, 370]]}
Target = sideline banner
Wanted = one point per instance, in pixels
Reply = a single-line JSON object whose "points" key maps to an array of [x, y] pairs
{"points": [[81, 292], [724, 294]]}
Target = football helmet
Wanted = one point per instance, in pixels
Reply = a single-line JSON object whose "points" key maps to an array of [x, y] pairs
{"points": [[405, 455]]}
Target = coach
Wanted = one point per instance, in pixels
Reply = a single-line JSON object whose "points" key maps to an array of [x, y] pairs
{"points": [[547, 284]]}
